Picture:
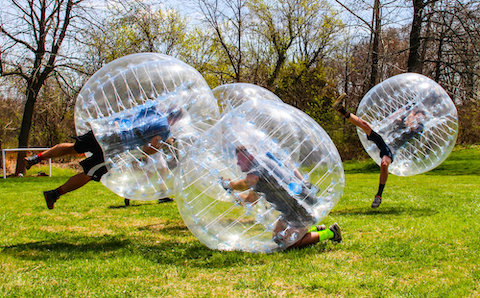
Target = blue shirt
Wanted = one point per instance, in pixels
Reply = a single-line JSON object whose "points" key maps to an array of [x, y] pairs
{"points": [[140, 130]]}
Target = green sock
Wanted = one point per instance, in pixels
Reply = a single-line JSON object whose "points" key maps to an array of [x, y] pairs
{"points": [[325, 235], [312, 229]]}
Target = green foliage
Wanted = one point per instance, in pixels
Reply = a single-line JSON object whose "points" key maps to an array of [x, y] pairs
{"points": [[53, 121], [10, 109], [296, 89], [422, 241], [140, 29]]}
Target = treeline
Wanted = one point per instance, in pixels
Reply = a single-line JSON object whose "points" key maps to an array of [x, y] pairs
{"points": [[305, 51]]}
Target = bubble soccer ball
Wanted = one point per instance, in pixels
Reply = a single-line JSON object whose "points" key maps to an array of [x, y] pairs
{"points": [[416, 118], [134, 105], [294, 177], [230, 96]]}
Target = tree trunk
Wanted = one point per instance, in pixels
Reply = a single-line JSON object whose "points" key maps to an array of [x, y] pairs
{"points": [[280, 61], [376, 41], [31, 94], [414, 63]]}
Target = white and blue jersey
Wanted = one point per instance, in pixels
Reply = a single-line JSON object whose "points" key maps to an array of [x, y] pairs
{"points": [[147, 124], [130, 129]]}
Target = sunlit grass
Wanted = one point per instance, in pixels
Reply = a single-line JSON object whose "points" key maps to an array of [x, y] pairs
{"points": [[422, 241]]}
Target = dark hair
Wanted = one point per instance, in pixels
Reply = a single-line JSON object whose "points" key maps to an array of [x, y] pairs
{"points": [[175, 114], [241, 148]]}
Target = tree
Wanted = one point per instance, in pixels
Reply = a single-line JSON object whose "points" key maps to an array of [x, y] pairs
{"points": [[53, 120], [227, 19], [377, 25], [33, 32], [132, 27], [277, 20], [9, 109], [414, 63]]}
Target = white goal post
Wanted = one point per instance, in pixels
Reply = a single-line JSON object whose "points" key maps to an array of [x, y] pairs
{"points": [[24, 149]]}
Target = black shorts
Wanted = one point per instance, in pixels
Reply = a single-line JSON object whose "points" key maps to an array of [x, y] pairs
{"points": [[93, 166], [292, 212], [382, 146]]}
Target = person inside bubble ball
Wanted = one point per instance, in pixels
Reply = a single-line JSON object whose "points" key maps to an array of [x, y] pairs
{"points": [[151, 135], [408, 122], [263, 174]]}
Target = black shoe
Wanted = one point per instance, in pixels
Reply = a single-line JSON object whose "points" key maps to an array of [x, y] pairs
{"points": [[338, 104], [337, 233], [376, 201], [127, 202], [51, 196], [31, 160], [165, 200]]}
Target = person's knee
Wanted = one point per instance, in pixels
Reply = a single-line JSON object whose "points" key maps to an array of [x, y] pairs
{"points": [[386, 161]]}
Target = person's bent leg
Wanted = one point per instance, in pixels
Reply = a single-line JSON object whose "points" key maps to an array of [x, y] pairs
{"points": [[73, 183], [56, 151], [309, 239], [352, 118], [355, 120], [333, 233], [386, 161]]}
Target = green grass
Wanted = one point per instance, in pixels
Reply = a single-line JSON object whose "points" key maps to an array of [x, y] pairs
{"points": [[422, 241]]}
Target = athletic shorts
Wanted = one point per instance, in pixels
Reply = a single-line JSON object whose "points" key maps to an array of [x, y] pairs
{"points": [[382, 146], [94, 165]]}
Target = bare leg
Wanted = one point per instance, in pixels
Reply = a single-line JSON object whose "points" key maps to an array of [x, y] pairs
{"points": [[75, 182], [377, 139], [59, 150], [251, 197], [386, 161], [308, 239], [354, 119]]}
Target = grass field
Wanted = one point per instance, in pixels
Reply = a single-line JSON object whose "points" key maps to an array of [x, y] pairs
{"points": [[424, 240]]}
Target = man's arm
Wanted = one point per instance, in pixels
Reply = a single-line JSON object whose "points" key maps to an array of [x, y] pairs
{"points": [[244, 184], [156, 144]]}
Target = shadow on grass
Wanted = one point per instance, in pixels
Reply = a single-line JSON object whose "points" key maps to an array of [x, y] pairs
{"points": [[182, 253], [168, 229], [170, 253], [414, 212], [66, 249], [138, 204], [122, 206]]}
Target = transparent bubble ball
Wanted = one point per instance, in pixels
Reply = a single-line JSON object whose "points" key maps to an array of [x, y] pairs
{"points": [[130, 101], [416, 118], [299, 178], [230, 96]]}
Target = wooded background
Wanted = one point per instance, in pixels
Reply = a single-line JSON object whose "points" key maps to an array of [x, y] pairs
{"points": [[305, 51]]}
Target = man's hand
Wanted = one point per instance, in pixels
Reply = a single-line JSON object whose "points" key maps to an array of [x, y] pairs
{"points": [[225, 184]]}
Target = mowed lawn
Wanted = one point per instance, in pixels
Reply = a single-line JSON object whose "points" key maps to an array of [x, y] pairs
{"points": [[422, 241]]}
